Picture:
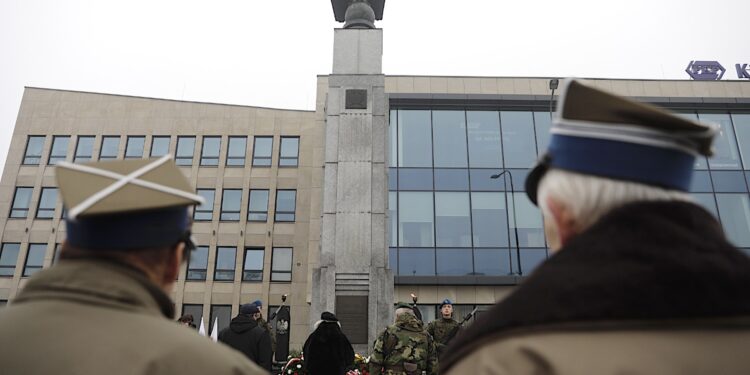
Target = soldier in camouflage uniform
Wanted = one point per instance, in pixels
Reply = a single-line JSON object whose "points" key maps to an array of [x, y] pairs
{"points": [[404, 348], [442, 328], [263, 323]]}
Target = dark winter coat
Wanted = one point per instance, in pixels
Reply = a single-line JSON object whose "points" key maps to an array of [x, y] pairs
{"points": [[245, 335], [327, 351], [650, 288]]}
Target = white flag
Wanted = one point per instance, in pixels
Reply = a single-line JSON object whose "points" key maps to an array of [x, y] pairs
{"points": [[202, 329], [215, 330]]}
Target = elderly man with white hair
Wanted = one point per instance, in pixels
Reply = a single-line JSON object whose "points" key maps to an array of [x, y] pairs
{"points": [[641, 279]]}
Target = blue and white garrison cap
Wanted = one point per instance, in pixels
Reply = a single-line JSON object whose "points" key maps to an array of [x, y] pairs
{"points": [[601, 134], [126, 204]]}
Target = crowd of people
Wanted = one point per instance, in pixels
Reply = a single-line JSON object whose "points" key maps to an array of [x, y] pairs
{"points": [[641, 278]]}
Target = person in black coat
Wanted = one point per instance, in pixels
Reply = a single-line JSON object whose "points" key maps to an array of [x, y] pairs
{"points": [[327, 351], [245, 335]]}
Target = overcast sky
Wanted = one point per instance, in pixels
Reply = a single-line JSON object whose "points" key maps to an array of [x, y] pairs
{"points": [[268, 53]]}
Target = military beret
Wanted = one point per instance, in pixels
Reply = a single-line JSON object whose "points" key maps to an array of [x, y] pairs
{"points": [[248, 309], [402, 305], [446, 302], [598, 133]]}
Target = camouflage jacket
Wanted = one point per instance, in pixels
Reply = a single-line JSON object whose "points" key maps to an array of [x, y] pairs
{"points": [[263, 323], [440, 329], [404, 348]]}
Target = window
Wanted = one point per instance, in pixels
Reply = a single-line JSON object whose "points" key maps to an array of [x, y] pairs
{"points": [[110, 147], [8, 258], [452, 220], [519, 147], [198, 263], [483, 128], [262, 150], [253, 267], [34, 147], [726, 155], [393, 142], [492, 262], [225, 257], [134, 147], [84, 148], [542, 124], [185, 150], [34, 258], [415, 219], [285, 205], [257, 209], [196, 311], [222, 314], [416, 262], [21, 201], [393, 218], [734, 211], [205, 212], [230, 205], [160, 145], [449, 138], [210, 151], [59, 149], [414, 140], [236, 151], [47, 203], [529, 219], [489, 219], [281, 264], [454, 262], [742, 126], [289, 153]]}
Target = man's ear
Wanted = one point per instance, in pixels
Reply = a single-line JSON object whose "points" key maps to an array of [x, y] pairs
{"points": [[564, 220]]}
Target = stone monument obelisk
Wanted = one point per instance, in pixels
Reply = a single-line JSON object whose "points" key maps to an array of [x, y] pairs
{"points": [[353, 279]]}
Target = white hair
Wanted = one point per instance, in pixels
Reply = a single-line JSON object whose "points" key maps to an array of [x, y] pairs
{"points": [[590, 197], [403, 310]]}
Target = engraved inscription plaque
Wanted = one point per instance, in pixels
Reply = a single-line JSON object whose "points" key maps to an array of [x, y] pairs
{"points": [[356, 99], [352, 314]]}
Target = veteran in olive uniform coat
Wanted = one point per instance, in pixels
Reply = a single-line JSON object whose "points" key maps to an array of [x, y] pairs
{"points": [[104, 308], [404, 348], [443, 328], [642, 280]]}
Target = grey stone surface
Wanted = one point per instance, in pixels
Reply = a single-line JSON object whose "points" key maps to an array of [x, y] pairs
{"points": [[332, 139], [330, 175], [355, 138], [353, 193], [347, 80], [379, 138], [357, 51]]}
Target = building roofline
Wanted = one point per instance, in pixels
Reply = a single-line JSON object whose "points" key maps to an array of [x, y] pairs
{"points": [[170, 100], [546, 78]]}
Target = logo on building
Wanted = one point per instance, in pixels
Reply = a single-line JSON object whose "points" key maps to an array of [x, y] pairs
{"points": [[742, 71], [705, 70]]}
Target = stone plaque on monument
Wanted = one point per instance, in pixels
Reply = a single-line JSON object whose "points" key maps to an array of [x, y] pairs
{"points": [[356, 99], [352, 314]]}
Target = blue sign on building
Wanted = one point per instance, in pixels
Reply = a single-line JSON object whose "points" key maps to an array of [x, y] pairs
{"points": [[742, 71], [705, 70]]}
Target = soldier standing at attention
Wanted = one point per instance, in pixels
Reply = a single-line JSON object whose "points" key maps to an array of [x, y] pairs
{"points": [[404, 348], [444, 328], [265, 325]]}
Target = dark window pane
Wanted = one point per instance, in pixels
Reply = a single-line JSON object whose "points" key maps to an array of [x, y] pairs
{"points": [[21, 201], [34, 258], [481, 180], [198, 263], [742, 127], [196, 311], [134, 147], [734, 211], [393, 260], [159, 146], [47, 203], [253, 267], [392, 179], [416, 262], [281, 264], [236, 151], [729, 181], [454, 262], [262, 150], [489, 219], [258, 207], [492, 262], [726, 155], [700, 161], [449, 138], [415, 179], [485, 149], [452, 222], [542, 126], [34, 147], [529, 218], [452, 179], [185, 150], [210, 151], [393, 131], [110, 148], [530, 259], [519, 148], [707, 201], [701, 182], [393, 218], [8, 258], [225, 258], [205, 211], [414, 139], [84, 148], [230, 205], [59, 149], [286, 201], [221, 315], [289, 152], [415, 217]]}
